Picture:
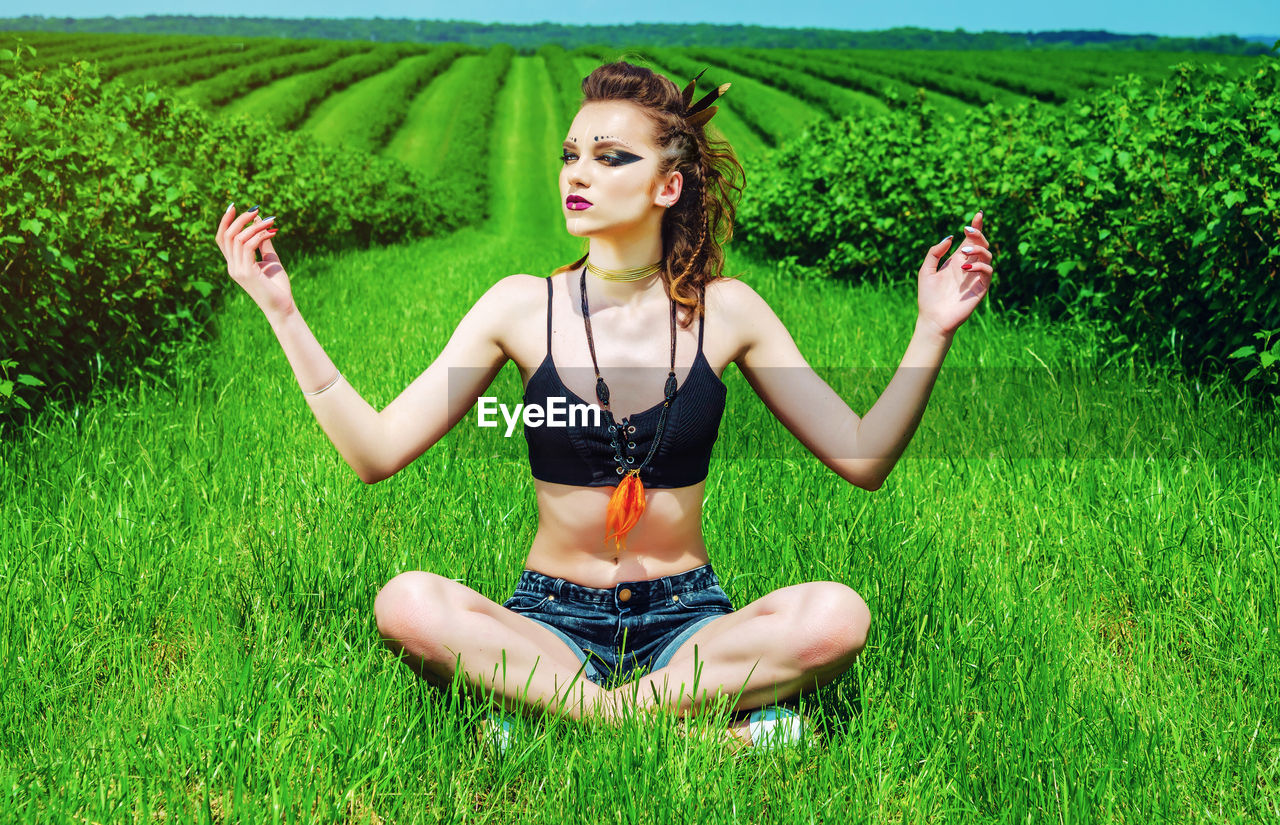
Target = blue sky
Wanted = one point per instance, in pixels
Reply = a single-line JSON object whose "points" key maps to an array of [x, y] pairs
{"points": [[1170, 17]]}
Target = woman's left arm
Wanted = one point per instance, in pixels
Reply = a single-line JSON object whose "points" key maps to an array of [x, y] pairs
{"points": [[864, 451]]}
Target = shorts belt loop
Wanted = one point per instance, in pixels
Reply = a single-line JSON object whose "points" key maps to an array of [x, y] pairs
{"points": [[557, 588], [666, 589]]}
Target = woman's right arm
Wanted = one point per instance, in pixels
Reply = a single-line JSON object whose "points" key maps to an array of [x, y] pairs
{"points": [[375, 444]]}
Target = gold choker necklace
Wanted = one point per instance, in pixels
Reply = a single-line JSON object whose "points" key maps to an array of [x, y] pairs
{"points": [[623, 274]]}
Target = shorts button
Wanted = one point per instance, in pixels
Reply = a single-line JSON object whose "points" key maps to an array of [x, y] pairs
{"points": [[552, 597], [675, 598], [624, 594]]}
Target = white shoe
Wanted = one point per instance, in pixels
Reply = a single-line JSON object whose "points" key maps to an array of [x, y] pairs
{"points": [[500, 730], [773, 727]]}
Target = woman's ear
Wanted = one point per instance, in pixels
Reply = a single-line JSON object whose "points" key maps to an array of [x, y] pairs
{"points": [[669, 190]]}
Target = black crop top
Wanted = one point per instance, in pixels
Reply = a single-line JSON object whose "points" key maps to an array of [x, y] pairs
{"points": [[581, 455]]}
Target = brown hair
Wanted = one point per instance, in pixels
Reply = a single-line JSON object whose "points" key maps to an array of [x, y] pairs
{"points": [[695, 226]]}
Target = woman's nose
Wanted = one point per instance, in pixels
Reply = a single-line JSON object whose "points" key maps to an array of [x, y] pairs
{"points": [[577, 175]]}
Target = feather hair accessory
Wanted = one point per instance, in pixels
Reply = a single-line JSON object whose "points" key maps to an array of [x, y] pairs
{"points": [[699, 113]]}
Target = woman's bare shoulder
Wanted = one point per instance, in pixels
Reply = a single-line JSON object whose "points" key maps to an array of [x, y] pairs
{"points": [[732, 308], [515, 292], [730, 293], [734, 302], [515, 300], [523, 282]]}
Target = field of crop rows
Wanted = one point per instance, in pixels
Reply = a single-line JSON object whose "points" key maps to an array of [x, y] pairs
{"points": [[409, 100]]}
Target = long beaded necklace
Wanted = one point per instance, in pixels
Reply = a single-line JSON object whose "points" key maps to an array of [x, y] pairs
{"points": [[627, 502]]}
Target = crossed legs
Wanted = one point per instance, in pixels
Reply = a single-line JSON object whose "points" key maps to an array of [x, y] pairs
{"points": [[785, 643]]}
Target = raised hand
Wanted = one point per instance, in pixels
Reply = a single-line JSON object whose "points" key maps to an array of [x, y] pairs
{"points": [[241, 239], [948, 294]]}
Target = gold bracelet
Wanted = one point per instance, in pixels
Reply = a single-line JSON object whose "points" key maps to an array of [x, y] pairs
{"points": [[325, 387]]}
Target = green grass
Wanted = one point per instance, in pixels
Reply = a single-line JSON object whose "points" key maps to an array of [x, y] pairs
{"points": [[1062, 632], [189, 571]]}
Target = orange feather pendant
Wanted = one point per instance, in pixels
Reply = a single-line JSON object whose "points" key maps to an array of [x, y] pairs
{"points": [[626, 505]]}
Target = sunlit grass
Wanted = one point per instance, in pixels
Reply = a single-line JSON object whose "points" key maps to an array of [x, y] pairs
{"points": [[189, 571]]}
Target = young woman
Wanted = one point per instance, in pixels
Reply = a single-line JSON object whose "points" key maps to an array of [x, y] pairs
{"points": [[618, 574]]}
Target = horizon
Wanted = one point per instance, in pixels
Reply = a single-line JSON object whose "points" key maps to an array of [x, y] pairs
{"points": [[1176, 18]]}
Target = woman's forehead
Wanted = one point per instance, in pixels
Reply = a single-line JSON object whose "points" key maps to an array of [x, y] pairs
{"points": [[611, 120]]}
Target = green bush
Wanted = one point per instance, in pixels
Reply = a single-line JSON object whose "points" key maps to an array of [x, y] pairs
{"points": [[1153, 210], [111, 195]]}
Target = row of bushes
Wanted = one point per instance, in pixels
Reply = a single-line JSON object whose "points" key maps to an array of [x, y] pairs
{"points": [[112, 197], [566, 80], [310, 90], [389, 110], [219, 90], [1151, 209], [929, 71], [1022, 75], [170, 51], [188, 72], [894, 93], [99, 49], [798, 84], [459, 180]]}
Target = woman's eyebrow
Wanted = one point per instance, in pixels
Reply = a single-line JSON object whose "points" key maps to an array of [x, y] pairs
{"points": [[597, 144]]}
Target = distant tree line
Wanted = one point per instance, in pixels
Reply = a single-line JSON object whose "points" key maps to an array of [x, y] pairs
{"points": [[527, 38]]}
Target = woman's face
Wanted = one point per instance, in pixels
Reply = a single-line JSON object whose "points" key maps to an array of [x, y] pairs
{"points": [[609, 160]]}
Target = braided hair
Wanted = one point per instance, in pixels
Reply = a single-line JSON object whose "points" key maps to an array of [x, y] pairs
{"points": [[694, 227]]}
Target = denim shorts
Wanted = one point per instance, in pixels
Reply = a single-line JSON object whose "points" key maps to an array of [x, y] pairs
{"points": [[631, 625]]}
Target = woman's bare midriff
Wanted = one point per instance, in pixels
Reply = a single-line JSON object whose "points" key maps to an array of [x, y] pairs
{"points": [[570, 542]]}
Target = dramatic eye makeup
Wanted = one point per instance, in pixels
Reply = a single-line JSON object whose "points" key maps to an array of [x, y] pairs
{"points": [[613, 157]]}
